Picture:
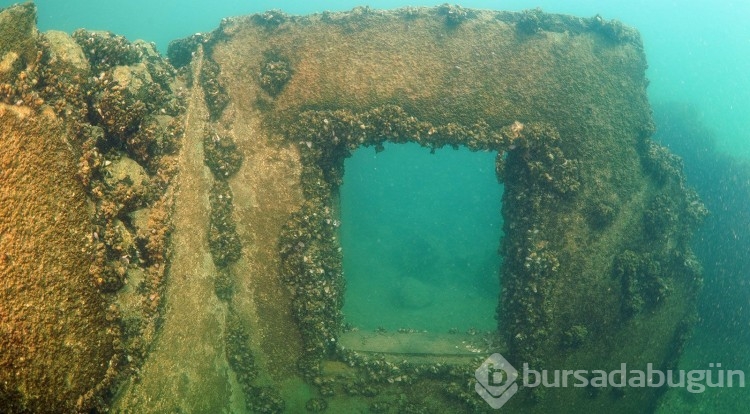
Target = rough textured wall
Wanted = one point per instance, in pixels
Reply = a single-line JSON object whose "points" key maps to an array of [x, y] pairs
{"points": [[55, 332], [89, 128], [597, 268], [54, 328]]}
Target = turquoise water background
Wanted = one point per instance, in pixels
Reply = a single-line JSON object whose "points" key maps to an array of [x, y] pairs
{"points": [[699, 67], [421, 234]]}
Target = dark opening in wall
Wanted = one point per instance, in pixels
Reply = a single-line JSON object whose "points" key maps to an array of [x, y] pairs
{"points": [[420, 234]]}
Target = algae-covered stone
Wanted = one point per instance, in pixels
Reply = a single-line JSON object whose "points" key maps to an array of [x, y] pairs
{"points": [[64, 49], [18, 33], [140, 220], [583, 184], [57, 343], [105, 50], [125, 169]]}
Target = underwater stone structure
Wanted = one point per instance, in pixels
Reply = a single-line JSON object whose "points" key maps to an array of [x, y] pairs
{"points": [[169, 226]]}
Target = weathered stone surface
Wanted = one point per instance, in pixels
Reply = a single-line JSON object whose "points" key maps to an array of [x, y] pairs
{"points": [[62, 47], [57, 344], [18, 33], [564, 98], [67, 185], [597, 267]]}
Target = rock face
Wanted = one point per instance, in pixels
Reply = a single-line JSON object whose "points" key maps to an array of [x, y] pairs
{"points": [[597, 268], [57, 343], [54, 328], [55, 334], [79, 153]]}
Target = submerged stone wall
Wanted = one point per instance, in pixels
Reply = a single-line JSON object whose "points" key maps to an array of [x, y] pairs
{"points": [[597, 267], [90, 127]]}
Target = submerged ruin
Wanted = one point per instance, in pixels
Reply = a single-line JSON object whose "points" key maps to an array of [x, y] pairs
{"points": [[168, 225]]}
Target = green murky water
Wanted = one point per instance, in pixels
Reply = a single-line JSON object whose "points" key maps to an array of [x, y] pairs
{"points": [[420, 235]]}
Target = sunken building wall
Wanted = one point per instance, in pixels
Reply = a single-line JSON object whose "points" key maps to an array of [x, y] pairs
{"points": [[252, 128]]}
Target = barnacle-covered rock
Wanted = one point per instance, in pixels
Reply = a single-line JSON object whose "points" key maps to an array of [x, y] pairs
{"points": [[180, 51], [271, 18], [156, 137], [117, 109], [224, 284], [644, 281], [65, 71], [454, 15], [21, 54], [613, 30], [575, 336], [127, 182], [105, 50], [530, 21], [316, 405], [18, 39]]}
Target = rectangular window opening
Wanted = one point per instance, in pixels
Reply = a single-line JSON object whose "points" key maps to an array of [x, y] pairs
{"points": [[420, 234]]}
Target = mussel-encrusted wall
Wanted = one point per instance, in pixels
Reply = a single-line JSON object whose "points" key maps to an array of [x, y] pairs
{"points": [[597, 217], [597, 268], [90, 125]]}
